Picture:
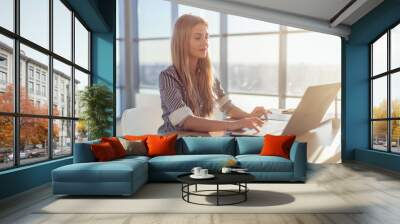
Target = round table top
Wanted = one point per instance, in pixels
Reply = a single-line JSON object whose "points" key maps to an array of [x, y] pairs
{"points": [[220, 178]]}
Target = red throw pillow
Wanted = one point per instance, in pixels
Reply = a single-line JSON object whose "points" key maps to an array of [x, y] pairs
{"points": [[116, 145], [159, 145], [277, 145], [103, 152]]}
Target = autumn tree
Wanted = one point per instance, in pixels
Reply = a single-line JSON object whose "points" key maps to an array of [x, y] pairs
{"points": [[380, 127], [33, 131]]}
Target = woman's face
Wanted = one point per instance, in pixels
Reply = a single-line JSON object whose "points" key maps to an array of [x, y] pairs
{"points": [[199, 41]]}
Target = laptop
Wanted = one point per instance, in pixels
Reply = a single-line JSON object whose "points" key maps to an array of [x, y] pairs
{"points": [[307, 116]]}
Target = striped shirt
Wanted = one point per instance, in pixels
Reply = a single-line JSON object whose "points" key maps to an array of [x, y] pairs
{"points": [[174, 100]]}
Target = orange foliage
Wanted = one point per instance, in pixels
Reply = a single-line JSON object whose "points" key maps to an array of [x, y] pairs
{"points": [[33, 130]]}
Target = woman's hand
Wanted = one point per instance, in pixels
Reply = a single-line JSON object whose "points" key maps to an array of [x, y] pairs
{"points": [[247, 122], [258, 112]]}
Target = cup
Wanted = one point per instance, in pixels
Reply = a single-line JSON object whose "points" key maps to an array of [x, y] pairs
{"points": [[226, 170], [203, 172], [196, 170]]}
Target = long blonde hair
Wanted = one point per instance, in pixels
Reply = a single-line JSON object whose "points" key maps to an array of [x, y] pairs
{"points": [[199, 84]]}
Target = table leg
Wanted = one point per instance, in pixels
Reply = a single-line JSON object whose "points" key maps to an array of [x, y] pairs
{"points": [[196, 188], [188, 189], [245, 193], [217, 194]]}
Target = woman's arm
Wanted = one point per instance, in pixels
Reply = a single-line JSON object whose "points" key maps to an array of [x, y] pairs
{"points": [[236, 113], [200, 124]]}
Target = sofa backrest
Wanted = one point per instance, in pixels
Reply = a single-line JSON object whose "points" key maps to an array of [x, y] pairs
{"points": [[206, 145], [83, 152], [249, 145]]}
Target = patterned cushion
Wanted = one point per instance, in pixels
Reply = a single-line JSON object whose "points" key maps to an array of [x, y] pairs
{"points": [[135, 147]]}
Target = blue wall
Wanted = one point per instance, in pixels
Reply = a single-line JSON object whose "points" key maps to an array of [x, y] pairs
{"points": [[103, 65], [356, 85], [99, 16], [24, 178]]}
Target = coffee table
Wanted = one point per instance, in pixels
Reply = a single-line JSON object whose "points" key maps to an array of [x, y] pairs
{"points": [[238, 179]]}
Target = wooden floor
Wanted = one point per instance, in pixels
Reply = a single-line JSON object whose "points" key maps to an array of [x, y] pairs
{"points": [[379, 189]]}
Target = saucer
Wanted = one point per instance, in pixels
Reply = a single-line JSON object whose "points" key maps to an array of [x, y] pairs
{"points": [[208, 176]]}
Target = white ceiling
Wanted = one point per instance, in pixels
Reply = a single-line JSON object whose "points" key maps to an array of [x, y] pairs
{"points": [[320, 9], [314, 15]]}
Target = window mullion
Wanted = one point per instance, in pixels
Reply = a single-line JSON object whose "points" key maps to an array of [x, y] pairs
{"points": [[224, 51], [282, 66], [389, 114], [73, 82], [16, 83], [370, 98], [50, 81]]}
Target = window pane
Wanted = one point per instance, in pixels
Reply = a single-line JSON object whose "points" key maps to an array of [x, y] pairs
{"points": [[248, 102], [62, 89], [312, 59], [395, 136], [214, 53], [249, 72], [62, 29], [237, 24], [379, 98], [151, 64], [292, 102], [81, 81], [395, 47], [34, 81], [81, 131], [7, 14], [81, 45], [35, 21], [395, 94], [62, 138], [153, 24], [6, 74], [379, 135], [6, 142], [33, 139], [211, 17], [379, 56]]}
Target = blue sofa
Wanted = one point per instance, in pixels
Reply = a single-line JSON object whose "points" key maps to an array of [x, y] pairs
{"points": [[125, 176]]}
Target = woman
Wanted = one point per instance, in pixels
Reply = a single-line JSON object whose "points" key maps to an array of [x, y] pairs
{"points": [[188, 89]]}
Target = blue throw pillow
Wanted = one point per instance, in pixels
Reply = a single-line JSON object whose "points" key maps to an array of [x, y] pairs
{"points": [[249, 145]]}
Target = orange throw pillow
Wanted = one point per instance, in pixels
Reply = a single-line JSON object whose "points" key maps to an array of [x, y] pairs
{"points": [[159, 145], [277, 145], [136, 137], [103, 151], [116, 145]]}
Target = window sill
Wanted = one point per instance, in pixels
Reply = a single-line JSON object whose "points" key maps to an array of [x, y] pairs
{"points": [[26, 167]]}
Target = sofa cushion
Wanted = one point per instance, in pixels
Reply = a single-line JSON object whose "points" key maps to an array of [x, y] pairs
{"points": [[111, 171], [185, 163], [206, 145], [103, 152], [257, 163], [249, 145], [136, 147], [159, 145], [116, 145], [277, 145]]}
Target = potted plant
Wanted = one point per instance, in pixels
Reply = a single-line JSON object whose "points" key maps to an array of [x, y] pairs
{"points": [[96, 102]]}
